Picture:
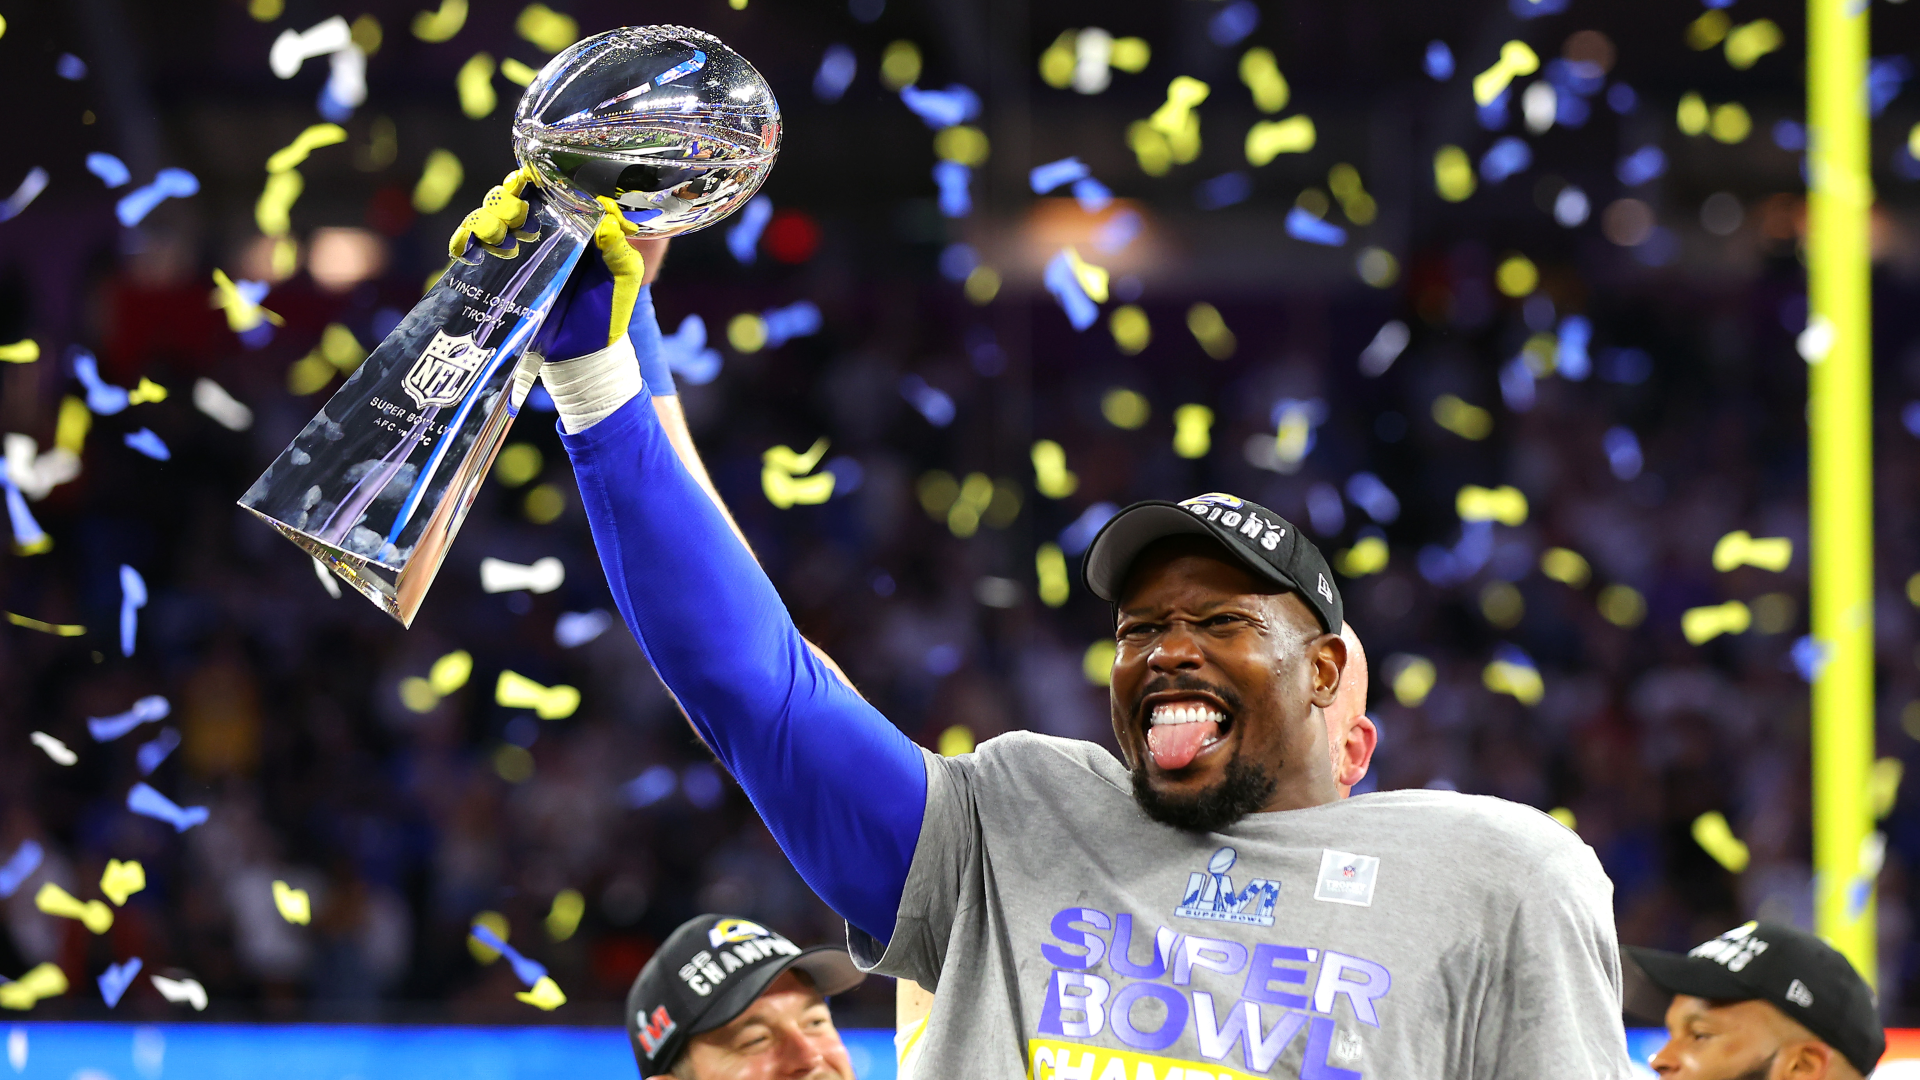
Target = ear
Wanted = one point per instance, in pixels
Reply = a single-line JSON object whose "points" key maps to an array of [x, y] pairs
{"points": [[1326, 659], [1808, 1060], [1354, 754]]}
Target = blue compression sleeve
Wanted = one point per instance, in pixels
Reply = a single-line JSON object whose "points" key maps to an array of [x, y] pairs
{"points": [[842, 790], [643, 330]]}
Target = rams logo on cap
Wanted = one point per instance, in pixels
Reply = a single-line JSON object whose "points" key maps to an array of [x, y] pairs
{"points": [[730, 931]]}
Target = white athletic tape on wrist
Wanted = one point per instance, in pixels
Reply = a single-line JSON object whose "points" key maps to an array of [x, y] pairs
{"points": [[588, 389]]}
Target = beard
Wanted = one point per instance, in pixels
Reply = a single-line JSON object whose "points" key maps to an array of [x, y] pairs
{"points": [[1759, 1072], [1243, 789]]}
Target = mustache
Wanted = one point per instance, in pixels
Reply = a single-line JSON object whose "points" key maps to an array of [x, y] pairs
{"points": [[1194, 683]]}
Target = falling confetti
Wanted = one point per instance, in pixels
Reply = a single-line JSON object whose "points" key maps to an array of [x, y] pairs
{"points": [[134, 206], [1412, 678], [440, 180], [474, 83], [1715, 837], [575, 628], [516, 691], [28, 537], [940, 109], [1453, 174], [29, 189], [95, 915], [1702, 624], [1463, 419], [1302, 225], [133, 597], [1512, 673], [1565, 566], [55, 749], [1438, 61], [155, 751], [1387, 345], [241, 301], [546, 28], [784, 476], [1192, 431], [294, 48], [837, 69], [1050, 567], [743, 237], [1052, 478], [147, 802], [147, 443], [1207, 326], [1745, 45], [111, 170], [563, 918], [292, 904], [1516, 59], [1505, 504], [213, 400], [181, 991], [1043, 179], [115, 980], [20, 866], [1737, 549], [1261, 73], [44, 981], [442, 23], [25, 351], [1368, 555], [1069, 289], [544, 576], [313, 138], [1268, 139]]}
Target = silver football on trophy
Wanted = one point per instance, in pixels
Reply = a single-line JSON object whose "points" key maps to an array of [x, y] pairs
{"points": [[666, 121]]}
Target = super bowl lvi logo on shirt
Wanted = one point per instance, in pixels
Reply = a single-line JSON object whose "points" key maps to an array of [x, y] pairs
{"points": [[445, 371], [1210, 895]]}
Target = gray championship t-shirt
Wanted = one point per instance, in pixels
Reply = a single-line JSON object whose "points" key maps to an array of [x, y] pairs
{"points": [[1404, 935]]}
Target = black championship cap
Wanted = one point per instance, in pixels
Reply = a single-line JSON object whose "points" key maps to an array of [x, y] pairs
{"points": [[708, 972], [1267, 543], [1790, 969]]}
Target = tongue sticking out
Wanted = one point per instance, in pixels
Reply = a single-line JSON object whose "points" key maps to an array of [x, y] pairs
{"points": [[1175, 745]]}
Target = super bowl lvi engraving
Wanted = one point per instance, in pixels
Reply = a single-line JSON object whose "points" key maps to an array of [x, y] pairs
{"points": [[670, 124]]}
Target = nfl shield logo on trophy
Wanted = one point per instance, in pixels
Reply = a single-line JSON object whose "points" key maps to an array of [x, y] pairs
{"points": [[445, 370]]}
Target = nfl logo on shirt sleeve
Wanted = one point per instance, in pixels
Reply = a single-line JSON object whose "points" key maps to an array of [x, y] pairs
{"points": [[1346, 878]]}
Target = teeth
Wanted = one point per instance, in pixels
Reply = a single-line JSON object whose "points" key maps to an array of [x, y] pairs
{"points": [[1185, 712]]}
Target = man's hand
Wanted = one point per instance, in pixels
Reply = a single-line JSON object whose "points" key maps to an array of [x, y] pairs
{"points": [[501, 212]]}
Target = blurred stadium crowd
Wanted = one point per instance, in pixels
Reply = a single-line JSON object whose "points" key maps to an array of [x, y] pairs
{"points": [[1633, 376]]}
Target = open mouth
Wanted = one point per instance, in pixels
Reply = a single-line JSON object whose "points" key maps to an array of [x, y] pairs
{"points": [[1181, 728]]}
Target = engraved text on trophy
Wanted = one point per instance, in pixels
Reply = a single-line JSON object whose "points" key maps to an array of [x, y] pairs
{"points": [[445, 371]]}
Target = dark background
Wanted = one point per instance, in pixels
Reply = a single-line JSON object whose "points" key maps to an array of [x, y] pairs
{"points": [[400, 823]]}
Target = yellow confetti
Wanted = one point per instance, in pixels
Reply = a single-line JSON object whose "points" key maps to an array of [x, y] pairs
{"points": [[516, 691], [441, 24], [1183, 94], [982, 285], [1453, 174], [70, 431], [93, 914], [1192, 431], [1884, 786], [936, 492], [292, 903], [545, 995], [43, 981], [439, 180], [121, 880], [242, 314], [1747, 44], [1367, 556], [518, 464], [1692, 115], [274, 210], [1058, 61], [1502, 604], [516, 72], [964, 144], [1130, 54], [512, 764], [1150, 148], [450, 672], [474, 82], [20, 352], [1737, 549], [367, 35], [955, 741], [56, 629], [1291, 435], [1565, 566], [747, 332], [1125, 409], [1520, 681], [1565, 817], [1210, 330], [1708, 30], [1268, 139], [305, 143], [969, 504], [1131, 329], [1517, 276], [1623, 606], [1092, 279], [545, 27], [1050, 566], [1097, 663], [1516, 59], [784, 479], [1465, 420], [496, 922], [1261, 73], [1702, 624], [147, 391], [900, 65], [1715, 837], [563, 918], [1051, 477], [1730, 123], [1505, 504], [266, 10], [417, 694], [1413, 679], [1344, 180]]}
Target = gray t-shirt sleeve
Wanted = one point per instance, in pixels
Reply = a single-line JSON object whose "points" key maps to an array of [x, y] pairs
{"points": [[944, 860], [1553, 1008]]}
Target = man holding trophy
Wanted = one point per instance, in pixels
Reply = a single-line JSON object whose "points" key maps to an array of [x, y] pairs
{"points": [[1208, 906]]}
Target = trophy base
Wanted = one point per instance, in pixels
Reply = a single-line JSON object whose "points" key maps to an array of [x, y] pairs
{"points": [[384, 586]]}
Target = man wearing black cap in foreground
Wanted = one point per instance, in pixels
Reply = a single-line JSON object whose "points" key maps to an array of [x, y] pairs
{"points": [[729, 999], [1759, 1002]]}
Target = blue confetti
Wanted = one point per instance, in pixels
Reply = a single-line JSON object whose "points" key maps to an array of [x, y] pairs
{"points": [[133, 597], [1494, 115], [942, 108], [135, 205], [148, 443], [1443, 566], [19, 867], [701, 782], [957, 261], [1810, 657], [1439, 61], [1910, 418], [1570, 354], [152, 753], [528, 971], [111, 170], [1224, 190], [952, 177], [27, 533], [1044, 178], [930, 401], [1505, 158], [744, 237], [1077, 537], [1118, 231], [1623, 452], [146, 802], [1372, 495], [1533, 9], [796, 320], [575, 628], [1325, 510], [1621, 98], [837, 69], [686, 353], [848, 474], [1516, 384], [145, 711], [1886, 77], [104, 398], [1302, 225], [1790, 135], [1580, 78], [656, 783], [1642, 166], [115, 980], [1571, 111], [1065, 287], [1628, 367], [30, 188], [70, 68], [1092, 195], [1231, 24]]}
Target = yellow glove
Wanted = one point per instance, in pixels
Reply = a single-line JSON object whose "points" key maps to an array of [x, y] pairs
{"points": [[497, 220], [624, 263]]}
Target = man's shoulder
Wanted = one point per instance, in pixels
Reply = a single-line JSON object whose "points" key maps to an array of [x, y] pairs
{"points": [[1473, 827], [1019, 755]]}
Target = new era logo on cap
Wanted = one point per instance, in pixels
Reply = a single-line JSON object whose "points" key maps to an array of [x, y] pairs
{"points": [[1798, 993]]}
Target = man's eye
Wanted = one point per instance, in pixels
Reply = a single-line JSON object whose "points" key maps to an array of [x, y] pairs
{"points": [[1221, 620], [1137, 630]]}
